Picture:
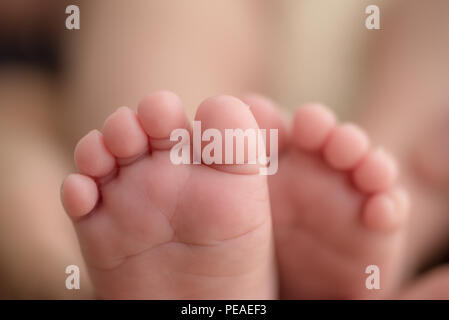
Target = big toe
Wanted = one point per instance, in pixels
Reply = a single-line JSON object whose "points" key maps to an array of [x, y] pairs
{"points": [[233, 130], [268, 117]]}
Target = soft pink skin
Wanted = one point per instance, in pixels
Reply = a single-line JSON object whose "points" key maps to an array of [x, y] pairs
{"points": [[336, 210], [432, 285], [167, 231]]}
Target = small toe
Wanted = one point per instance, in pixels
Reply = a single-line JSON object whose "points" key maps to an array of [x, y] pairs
{"points": [[312, 124], [376, 172], [386, 211], [346, 146], [92, 157], [160, 113], [123, 135], [79, 195], [381, 213]]}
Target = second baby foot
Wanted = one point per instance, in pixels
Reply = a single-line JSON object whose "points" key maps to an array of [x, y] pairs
{"points": [[151, 229], [336, 207]]}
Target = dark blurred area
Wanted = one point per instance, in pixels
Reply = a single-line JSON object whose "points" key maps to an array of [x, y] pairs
{"points": [[29, 34]]}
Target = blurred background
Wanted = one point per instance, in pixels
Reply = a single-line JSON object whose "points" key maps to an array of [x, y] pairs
{"points": [[57, 84]]}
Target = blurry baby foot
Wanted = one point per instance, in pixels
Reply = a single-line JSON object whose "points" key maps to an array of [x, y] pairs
{"points": [[336, 207]]}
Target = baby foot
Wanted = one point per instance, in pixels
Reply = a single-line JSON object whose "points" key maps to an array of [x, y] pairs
{"points": [[152, 229], [336, 207]]}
